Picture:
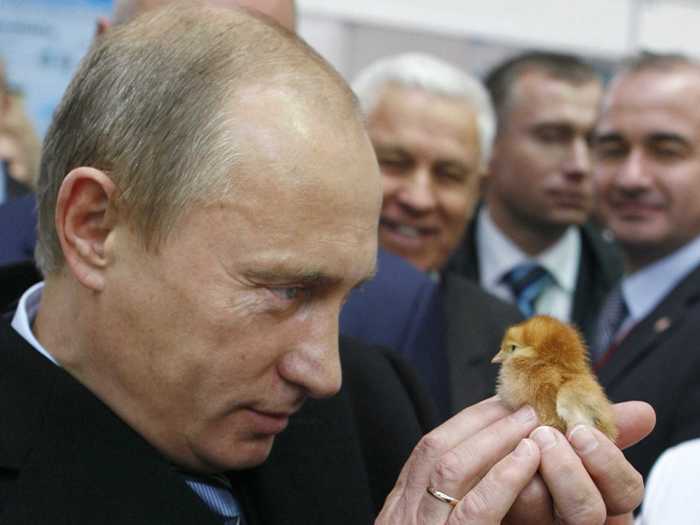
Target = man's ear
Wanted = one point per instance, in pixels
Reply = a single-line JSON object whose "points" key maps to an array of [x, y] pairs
{"points": [[84, 219]]}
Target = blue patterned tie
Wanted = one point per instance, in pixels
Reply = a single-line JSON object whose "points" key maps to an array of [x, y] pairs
{"points": [[613, 313], [216, 492], [527, 281]]}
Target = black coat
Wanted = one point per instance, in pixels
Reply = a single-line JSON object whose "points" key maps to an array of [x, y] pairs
{"points": [[658, 361], [66, 458]]}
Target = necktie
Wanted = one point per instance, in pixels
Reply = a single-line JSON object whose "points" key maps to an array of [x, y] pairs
{"points": [[613, 313], [527, 281], [216, 493]]}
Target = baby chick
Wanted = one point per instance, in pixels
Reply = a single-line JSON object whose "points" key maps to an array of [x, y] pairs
{"points": [[544, 363]]}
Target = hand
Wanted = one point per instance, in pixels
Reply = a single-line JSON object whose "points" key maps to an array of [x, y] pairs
{"points": [[471, 457], [587, 481]]}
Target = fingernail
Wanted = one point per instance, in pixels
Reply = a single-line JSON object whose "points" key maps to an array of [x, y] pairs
{"points": [[583, 439], [524, 448], [544, 437], [525, 414]]}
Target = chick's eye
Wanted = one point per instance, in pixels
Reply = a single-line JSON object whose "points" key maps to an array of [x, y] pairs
{"points": [[512, 348]]}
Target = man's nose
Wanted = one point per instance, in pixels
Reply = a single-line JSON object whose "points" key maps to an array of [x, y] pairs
{"points": [[418, 192], [314, 363], [632, 173], [577, 165]]}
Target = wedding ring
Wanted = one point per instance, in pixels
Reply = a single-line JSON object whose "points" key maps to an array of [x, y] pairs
{"points": [[442, 496]]}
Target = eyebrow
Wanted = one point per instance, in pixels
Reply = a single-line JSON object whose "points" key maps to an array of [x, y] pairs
{"points": [[308, 278]]}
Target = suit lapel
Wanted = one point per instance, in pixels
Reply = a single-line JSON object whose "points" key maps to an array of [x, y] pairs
{"points": [[651, 332], [467, 345]]}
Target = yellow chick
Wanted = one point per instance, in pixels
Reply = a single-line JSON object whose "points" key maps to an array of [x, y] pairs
{"points": [[544, 363]]}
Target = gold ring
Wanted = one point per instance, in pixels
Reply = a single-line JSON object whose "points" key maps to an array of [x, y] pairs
{"points": [[442, 497]]}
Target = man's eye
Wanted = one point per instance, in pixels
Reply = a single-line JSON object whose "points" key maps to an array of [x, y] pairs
{"points": [[291, 293]]}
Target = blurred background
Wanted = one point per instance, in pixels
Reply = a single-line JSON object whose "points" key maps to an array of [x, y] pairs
{"points": [[42, 41]]}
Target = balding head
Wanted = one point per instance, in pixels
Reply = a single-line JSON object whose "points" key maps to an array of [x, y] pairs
{"points": [[281, 11], [149, 105]]}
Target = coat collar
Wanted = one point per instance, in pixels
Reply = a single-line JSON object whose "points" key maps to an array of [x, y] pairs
{"points": [[650, 333]]}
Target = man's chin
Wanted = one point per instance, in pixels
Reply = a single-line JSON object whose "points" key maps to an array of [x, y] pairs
{"points": [[242, 455]]}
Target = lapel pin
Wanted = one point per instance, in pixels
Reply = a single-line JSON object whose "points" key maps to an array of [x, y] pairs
{"points": [[662, 324]]}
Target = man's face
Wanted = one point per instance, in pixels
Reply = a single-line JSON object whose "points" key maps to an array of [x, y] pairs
{"points": [[647, 153], [216, 339], [428, 152], [540, 168]]}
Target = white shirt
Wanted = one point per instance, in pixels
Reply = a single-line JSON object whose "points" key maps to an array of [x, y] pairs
{"points": [[673, 486], [646, 288], [498, 255], [24, 316]]}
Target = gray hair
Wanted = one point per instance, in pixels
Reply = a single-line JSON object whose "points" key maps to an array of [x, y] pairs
{"points": [[430, 74], [152, 105]]}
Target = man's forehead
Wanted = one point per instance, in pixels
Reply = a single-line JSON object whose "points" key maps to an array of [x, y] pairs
{"points": [[544, 98], [653, 102]]}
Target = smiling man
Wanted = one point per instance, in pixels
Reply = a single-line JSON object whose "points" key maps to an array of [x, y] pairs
{"points": [[431, 126], [647, 152]]}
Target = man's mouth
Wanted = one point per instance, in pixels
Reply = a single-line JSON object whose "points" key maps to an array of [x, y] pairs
{"points": [[406, 231]]}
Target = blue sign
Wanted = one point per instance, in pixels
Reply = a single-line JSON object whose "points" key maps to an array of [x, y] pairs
{"points": [[41, 43]]}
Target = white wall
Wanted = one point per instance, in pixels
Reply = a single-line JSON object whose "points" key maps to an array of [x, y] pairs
{"points": [[476, 33]]}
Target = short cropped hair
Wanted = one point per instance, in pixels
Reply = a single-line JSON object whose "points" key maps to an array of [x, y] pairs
{"points": [[434, 76], [501, 80], [152, 106], [651, 61]]}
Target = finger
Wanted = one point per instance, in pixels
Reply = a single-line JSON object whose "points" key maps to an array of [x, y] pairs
{"points": [[620, 485], [455, 430], [491, 498], [634, 420], [575, 495], [461, 468], [533, 506]]}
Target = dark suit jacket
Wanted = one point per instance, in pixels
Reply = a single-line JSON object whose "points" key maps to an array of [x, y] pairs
{"points": [[448, 332], [15, 278], [17, 229], [66, 458], [475, 322], [659, 362], [599, 270]]}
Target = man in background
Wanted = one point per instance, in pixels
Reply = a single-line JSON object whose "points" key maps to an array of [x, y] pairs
{"points": [[647, 152], [432, 126], [531, 242]]}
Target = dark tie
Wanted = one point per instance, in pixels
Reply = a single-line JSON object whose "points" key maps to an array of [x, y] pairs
{"points": [[216, 492], [613, 313], [527, 281]]}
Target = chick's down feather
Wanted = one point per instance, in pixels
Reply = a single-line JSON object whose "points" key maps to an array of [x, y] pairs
{"points": [[544, 363]]}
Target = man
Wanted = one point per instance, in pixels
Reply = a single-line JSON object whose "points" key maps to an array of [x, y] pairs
{"points": [[647, 150], [431, 126], [530, 242], [199, 231]]}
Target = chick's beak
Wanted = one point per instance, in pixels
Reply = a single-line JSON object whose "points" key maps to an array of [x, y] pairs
{"points": [[498, 358]]}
